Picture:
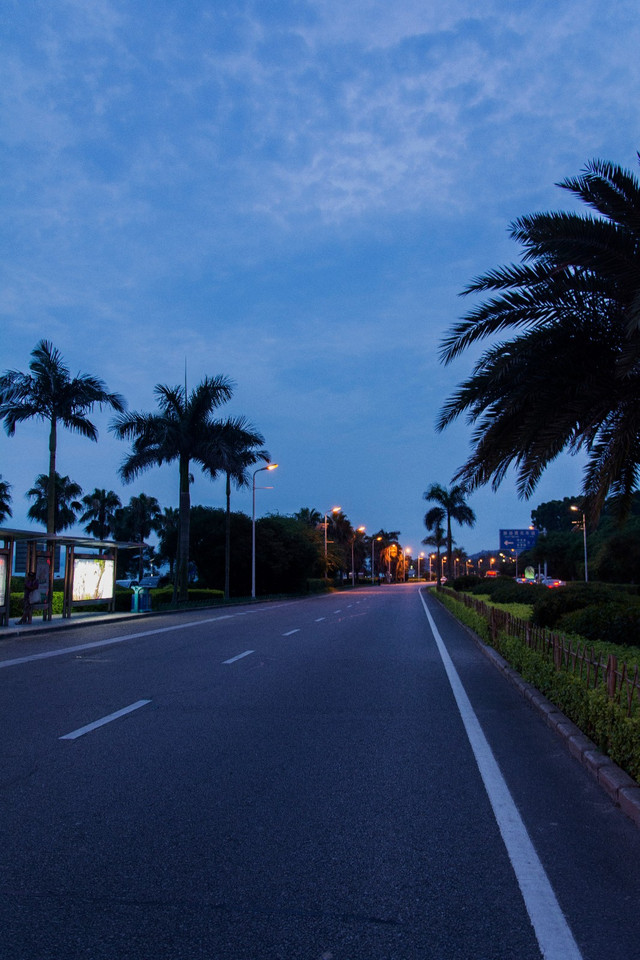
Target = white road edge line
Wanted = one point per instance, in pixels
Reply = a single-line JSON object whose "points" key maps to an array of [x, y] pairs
{"points": [[239, 656], [549, 923], [80, 732]]}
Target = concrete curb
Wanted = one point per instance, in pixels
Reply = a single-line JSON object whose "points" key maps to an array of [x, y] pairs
{"points": [[621, 788]]}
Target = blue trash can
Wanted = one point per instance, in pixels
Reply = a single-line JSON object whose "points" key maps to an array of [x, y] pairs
{"points": [[141, 600]]}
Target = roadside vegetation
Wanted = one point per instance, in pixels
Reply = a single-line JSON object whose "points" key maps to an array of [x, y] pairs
{"points": [[579, 645]]}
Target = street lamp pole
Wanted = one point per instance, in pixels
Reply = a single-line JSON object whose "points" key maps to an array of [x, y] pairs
{"points": [[584, 537], [270, 466], [326, 524], [373, 556], [353, 564]]}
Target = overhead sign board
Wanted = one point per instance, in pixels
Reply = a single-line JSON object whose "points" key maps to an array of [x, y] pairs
{"points": [[518, 540]]}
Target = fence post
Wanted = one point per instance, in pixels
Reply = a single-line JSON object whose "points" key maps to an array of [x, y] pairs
{"points": [[612, 667]]}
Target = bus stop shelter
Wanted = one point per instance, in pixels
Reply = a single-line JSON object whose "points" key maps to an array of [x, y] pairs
{"points": [[89, 573]]}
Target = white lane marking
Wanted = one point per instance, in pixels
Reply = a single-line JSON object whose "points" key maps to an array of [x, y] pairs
{"points": [[291, 632], [320, 619], [239, 656], [105, 643], [80, 732], [337, 611], [549, 923]]}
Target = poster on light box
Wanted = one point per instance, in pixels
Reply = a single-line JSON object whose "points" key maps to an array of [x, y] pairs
{"points": [[92, 579]]}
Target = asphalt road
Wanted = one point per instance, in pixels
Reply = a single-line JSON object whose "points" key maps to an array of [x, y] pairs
{"points": [[337, 778]]}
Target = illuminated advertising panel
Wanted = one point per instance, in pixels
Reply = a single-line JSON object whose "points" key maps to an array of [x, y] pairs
{"points": [[4, 570], [92, 579]]}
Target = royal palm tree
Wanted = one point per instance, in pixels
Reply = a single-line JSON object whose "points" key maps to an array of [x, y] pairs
{"points": [[433, 521], [135, 521], [99, 515], [309, 516], [234, 451], [5, 499], [168, 537], [455, 508], [182, 430], [49, 393], [66, 504], [568, 377]]}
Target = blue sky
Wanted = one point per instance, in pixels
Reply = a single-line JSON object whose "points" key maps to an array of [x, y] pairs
{"points": [[292, 194]]}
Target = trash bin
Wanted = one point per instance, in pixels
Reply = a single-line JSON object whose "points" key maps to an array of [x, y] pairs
{"points": [[141, 599]]}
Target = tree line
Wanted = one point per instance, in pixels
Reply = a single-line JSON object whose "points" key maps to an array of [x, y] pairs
{"points": [[185, 430]]}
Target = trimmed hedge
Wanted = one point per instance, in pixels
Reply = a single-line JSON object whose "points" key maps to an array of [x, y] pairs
{"points": [[601, 719]]}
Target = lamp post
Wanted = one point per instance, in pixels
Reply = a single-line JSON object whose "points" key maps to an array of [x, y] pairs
{"points": [[420, 557], [373, 557], [270, 466], [584, 536], [353, 565], [326, 523], [407, 554]]}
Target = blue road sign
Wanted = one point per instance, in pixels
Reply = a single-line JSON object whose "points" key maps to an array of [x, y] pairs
{"points": [[518, 540]]}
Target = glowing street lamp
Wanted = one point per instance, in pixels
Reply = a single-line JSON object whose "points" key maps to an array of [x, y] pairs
{"points": [[373, 559], [353, 566], [584, 536], [270, 466], [334, 510], [420, 557]]}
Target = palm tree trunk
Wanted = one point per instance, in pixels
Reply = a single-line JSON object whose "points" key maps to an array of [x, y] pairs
{"points": [[183, 532], [227, 540], [51, 487], [449, 548]]}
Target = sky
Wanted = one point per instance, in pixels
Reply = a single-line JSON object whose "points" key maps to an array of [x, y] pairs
{"points": [[293, 195]]}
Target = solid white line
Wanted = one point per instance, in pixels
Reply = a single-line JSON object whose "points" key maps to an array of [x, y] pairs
{"points": [[291, 632], [100, 723], [549, 923], [239, 656]]}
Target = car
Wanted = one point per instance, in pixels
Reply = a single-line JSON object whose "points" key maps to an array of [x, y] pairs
{"points": [[127, 584], [550, 582]]}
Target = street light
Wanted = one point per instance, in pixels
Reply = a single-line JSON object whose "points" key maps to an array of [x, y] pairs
{"points": [[270, 466], [373, 557], [407, 554], [584, 536], [326, 524], [420, 557], [353, 565]]}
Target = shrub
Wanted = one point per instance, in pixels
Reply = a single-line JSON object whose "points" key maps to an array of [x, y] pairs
{"points": [[550, 605], [467, 582], [610, 622]]}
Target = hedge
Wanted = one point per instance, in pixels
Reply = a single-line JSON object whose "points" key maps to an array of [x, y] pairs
{"points": [[600, 718]]}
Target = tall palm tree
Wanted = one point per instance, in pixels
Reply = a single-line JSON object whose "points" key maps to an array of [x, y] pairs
{"points": [[455, 508], [99, 515], [5, 499], [66, 504], [309, 516], [168, 537], [234, 451], [437, 538], [568, 377], [182, 430], [49, 393], [135, 522]]}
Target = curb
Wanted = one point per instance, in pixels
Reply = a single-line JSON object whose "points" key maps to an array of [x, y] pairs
{"points": [[618, 785], [621, 788]]}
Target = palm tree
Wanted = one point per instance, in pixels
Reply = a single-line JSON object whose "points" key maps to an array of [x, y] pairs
{"points": [[100, 513], [455, 508], [5, 499], [65, 502], [389, 548], [233, 453], [309, 516], [438, 540], [168, 537], [182, 430], [569, 376], [49, 393], [135, 522]]}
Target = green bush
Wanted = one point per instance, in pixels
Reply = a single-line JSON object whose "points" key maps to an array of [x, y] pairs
{"points": [[550, 605], [316, 585], [466, 583], [611, 622]]}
